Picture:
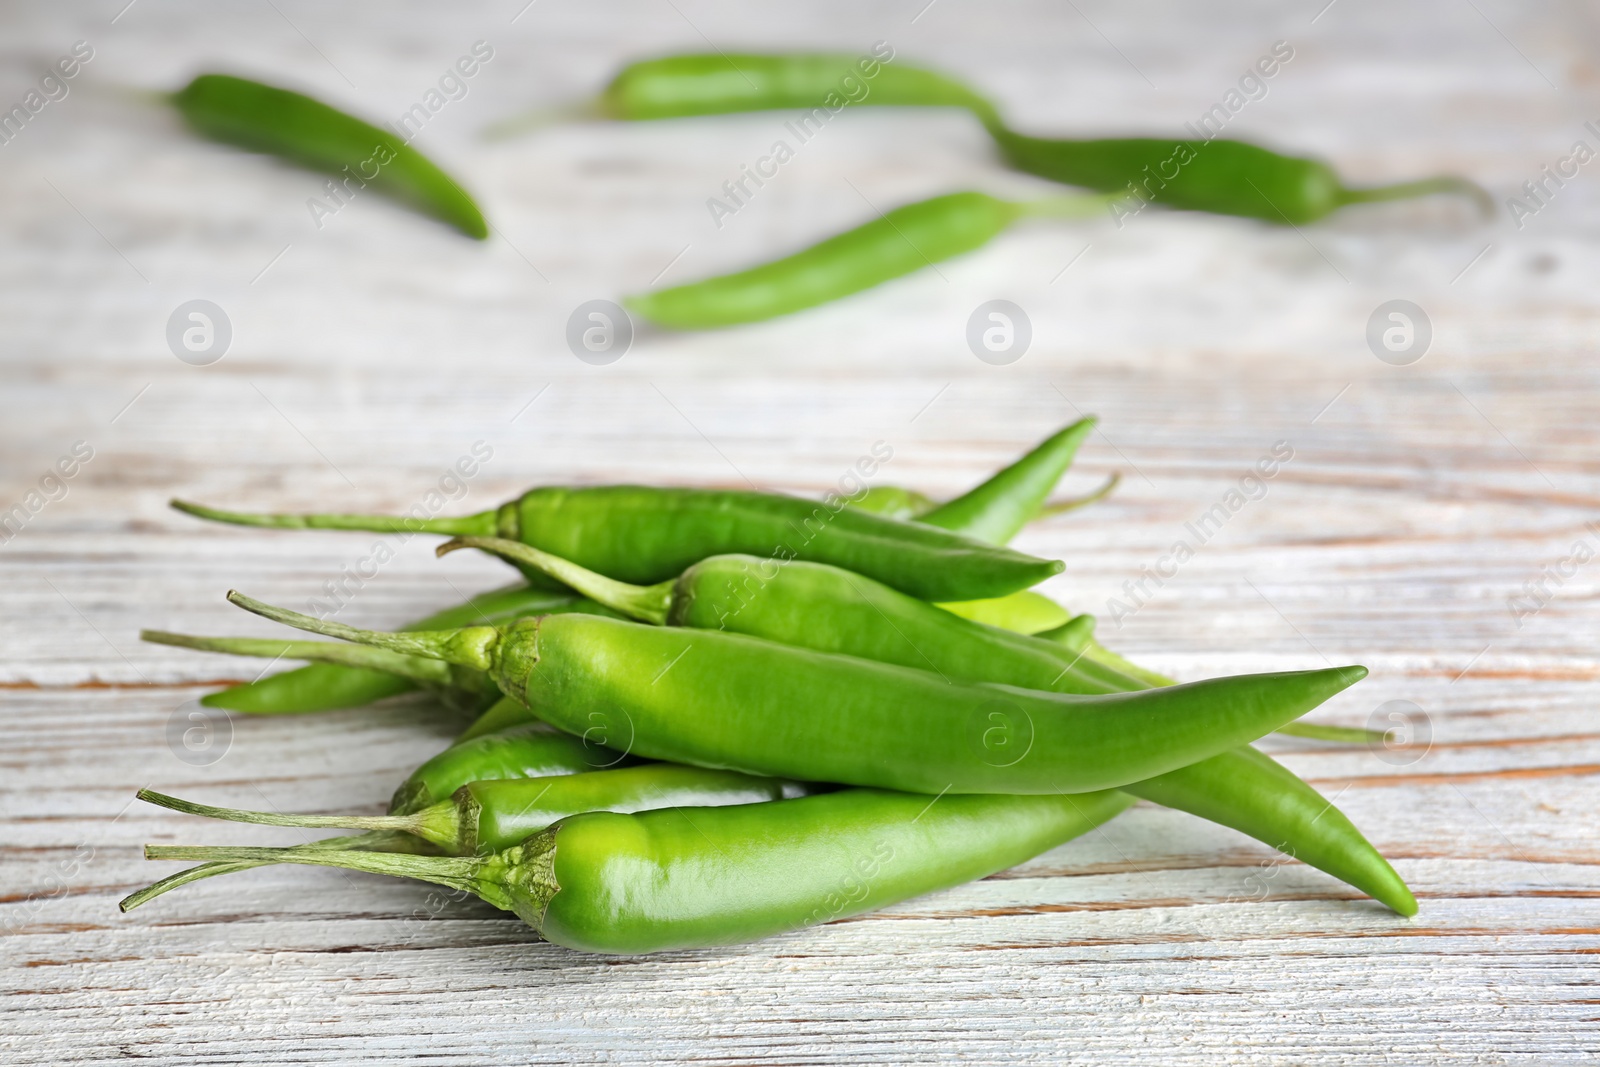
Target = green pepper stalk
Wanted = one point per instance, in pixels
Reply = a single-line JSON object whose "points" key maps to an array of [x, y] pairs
{"points": [[309, 133], [1220, 176], [324, 686], [528, 750], [899, 242], [729, 701], [491, 815], [643, 535], [462, 688], [692, 877], [823, 608]]}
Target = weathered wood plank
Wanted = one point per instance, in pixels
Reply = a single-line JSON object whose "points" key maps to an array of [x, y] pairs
{"points": [[369, 355]]}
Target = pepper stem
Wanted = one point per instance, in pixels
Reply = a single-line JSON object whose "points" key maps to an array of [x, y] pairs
{"points": [[484, 522], [1060, 507], [415, 823], [470, 646], [1068, 207], [592, 109], [429, 671], [1422, 187], [380, 841], [647, 603], [464, 873]]}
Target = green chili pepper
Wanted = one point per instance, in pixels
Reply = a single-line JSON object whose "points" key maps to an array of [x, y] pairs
{"points": [[815, 606], [1221, 176], [494, 814], [641, 534], [729, 701], [903, 240], [1249, 791], [1008, 500], [307, 132], [528, 750], [1078, 636], [1253, 793], [692, 877], [818, 607]]}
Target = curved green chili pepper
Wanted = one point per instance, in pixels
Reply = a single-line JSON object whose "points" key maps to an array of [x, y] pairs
{"points": [[904, 240], [997, 510], [692, 877], [643, 535], [297, 128], [823, 608], [494, 814], [1255, 794], [1220, 176], [729, 701]]}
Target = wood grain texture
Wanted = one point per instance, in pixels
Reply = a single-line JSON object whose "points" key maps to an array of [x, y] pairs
{"points": [[370, 354]]}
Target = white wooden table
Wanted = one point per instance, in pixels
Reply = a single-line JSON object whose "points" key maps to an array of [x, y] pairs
{"points": [[369, 355]]}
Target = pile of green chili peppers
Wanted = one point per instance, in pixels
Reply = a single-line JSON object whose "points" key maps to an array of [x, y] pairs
{"points": [[709, 717], [1216, 175]]}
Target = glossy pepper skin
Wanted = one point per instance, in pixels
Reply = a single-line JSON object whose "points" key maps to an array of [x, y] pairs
{"points": [[901, 241], [1251, 792], [685, 878], [305, 131], [493, 814], [729, 701], [529, 750], [1006, 501], [826, 609], [645, 535], [1222, 177], [823, 608]]}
